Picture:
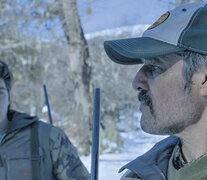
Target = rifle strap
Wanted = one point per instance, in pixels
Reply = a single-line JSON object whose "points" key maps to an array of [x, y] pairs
{"points": [[35, 157]]}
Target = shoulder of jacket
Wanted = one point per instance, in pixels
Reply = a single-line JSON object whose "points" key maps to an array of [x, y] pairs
{"points": [[53, 135], [44, 128], [50, 133], [129, 175], [47, 128], [54, 139]]}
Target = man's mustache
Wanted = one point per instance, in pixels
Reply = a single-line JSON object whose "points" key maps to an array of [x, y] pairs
{"points": [[145, 98]]}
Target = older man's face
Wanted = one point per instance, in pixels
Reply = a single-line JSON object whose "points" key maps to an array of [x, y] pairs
{"points": [[166, 108], [4, 101]]}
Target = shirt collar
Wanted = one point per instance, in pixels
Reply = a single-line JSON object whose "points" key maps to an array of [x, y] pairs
{"points": [[179, 160]]}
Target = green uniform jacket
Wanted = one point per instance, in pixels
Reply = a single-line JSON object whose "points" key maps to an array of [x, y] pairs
{"points": [[152, 165], [58, 158], [194, 170]]}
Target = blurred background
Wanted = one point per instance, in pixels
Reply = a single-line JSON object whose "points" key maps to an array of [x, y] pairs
{"points": [[60, 43]]}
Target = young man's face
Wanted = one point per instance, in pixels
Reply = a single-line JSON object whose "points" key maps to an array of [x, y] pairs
{"points": [[4, 101], [166, 107]]}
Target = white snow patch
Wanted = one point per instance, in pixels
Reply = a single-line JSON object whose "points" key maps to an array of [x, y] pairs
{"points": [[110, 144], [44, 109], [133, 30]]}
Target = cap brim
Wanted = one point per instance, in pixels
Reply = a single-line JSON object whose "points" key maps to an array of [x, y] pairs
{"points": [[131, 51]]}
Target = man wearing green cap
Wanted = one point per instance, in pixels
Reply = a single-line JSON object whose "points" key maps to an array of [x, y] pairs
{"points": [[172, 86]]}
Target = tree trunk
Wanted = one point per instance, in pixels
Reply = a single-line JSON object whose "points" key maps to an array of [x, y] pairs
{"points": [[80, 70]]}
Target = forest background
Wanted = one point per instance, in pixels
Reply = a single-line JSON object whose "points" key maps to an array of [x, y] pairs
{"points": [[55, 42]]}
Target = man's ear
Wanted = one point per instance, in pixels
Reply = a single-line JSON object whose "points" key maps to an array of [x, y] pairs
{"points": [[203, 90]]}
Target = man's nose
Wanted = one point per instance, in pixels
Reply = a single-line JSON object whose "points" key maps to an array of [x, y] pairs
{"points": [[140, 81]]}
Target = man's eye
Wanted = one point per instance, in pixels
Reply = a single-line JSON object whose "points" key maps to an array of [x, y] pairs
{"points": [[153, 70]]}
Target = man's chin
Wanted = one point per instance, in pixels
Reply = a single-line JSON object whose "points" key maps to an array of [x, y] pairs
{"points": [[146, 125], [149, 126]]}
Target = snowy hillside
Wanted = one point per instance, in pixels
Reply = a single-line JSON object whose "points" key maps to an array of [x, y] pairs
{"points": [[132, 30]]}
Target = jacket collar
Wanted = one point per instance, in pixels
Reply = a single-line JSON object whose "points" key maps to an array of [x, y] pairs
{"points": [[154, 163], [19, 120]]}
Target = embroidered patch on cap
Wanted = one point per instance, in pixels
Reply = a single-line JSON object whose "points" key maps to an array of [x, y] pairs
{"points": [[160, 20]]}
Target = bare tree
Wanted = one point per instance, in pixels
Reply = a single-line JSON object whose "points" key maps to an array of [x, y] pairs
{"points": [[80, 68]]}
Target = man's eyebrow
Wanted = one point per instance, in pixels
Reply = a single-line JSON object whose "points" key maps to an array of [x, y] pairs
{"points": [[1, 87], [157, 61]]}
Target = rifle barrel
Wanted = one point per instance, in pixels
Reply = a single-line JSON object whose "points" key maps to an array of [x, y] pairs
{"points": [[47, 103], [95, 137]]}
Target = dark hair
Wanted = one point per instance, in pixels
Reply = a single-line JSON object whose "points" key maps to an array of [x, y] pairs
{"points": [[193, 62], [6, 75]]}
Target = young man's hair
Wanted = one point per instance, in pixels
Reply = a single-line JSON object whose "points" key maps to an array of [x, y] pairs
{"points": [[6, 75], [193, 62]]}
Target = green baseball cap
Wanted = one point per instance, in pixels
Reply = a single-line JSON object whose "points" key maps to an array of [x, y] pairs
{"points": [[183, 28]]}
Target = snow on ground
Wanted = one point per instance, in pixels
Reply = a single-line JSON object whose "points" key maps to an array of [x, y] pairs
{"points": [[135, 144]]}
